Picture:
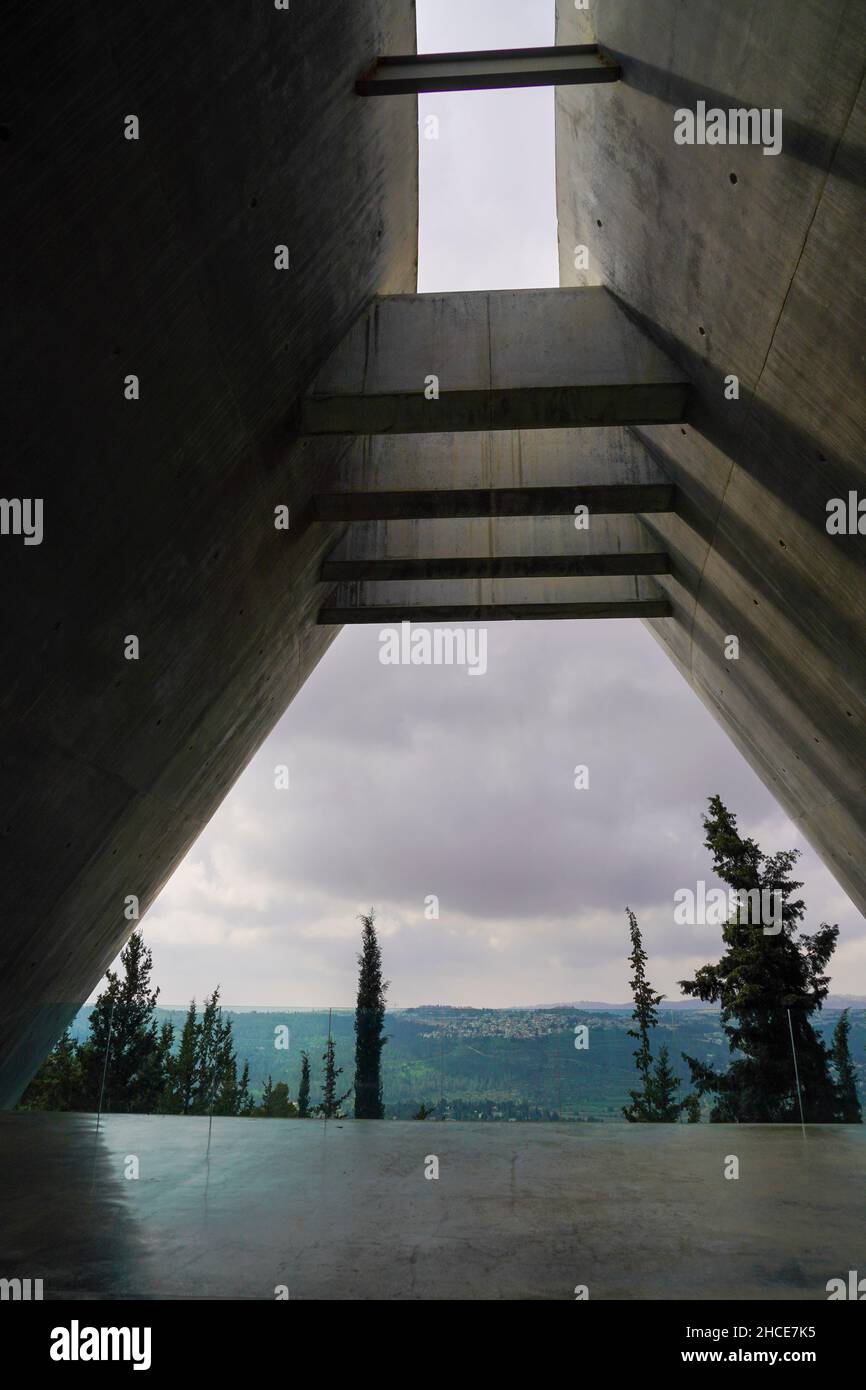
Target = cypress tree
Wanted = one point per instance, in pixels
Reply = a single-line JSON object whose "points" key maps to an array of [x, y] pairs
{"points": [[761, 982], [369, 1025], [331, 1102], [304, 1087], [645, 1015]]}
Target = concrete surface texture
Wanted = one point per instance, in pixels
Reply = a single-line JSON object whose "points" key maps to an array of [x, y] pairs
{"points": [[157, 257], [533, 472], [747, 264], [508, 359], [346, 1212]]}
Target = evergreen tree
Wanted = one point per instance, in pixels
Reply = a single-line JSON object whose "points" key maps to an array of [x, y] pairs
{"points": [[304, 1087], [331, 1102], [645, 1015], [228, 1091], [208, 1056], [847, 1101], [157, 1069], [245, 1100], [123, 1017], [664, 1106], [759, 979], [369, 1025], [57, 1085], [276, 1103], [181, 1069]]}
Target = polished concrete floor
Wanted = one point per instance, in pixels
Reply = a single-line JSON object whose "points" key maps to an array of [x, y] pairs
{"points": [[346, 1212]]}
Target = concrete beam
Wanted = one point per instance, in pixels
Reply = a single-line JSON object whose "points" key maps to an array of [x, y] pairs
{"points": [[498, 360], [506, 67], [497, 567], [612, 500], [491, 613]]}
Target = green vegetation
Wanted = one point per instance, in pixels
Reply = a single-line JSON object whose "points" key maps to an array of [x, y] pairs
{"points": [[369, 1026], [656, 1101], [768, 985], [128, 1054]]}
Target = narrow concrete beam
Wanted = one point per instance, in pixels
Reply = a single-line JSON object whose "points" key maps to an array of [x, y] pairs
{"points": [[497, 567], [506, 67], [497, 360], [612, 500], [491, 613]]}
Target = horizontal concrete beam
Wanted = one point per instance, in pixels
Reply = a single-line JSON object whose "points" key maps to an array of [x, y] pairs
{"points": [[497, 567], [506, 67], [612, 500], [492, 613], [497, 360]]}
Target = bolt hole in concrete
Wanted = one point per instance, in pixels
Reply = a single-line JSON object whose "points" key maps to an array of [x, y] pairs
{"points": [[732, 177]]}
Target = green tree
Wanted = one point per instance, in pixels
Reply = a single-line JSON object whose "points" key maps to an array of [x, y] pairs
{"points": [[245, 1099], [57, 1085], [276, 1103], [304, 1087], [664, 1107], [369, 1025], [181, 1068], [760, 982], [123, 1028], [207, 1061], [645, 1015], [331, 1102], [847, 1101]]}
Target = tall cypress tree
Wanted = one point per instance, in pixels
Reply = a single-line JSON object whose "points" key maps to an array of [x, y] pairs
{"points": [[645, 1015], [847, 1100], [768, 987], [369, 1025], [331, 1102], [304, 1087]]}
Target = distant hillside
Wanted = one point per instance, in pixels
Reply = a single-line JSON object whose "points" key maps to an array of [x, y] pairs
{"points": [[489, 1063]]}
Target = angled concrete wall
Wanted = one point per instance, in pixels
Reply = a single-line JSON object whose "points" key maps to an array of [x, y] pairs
{"points": [[747, 264], [156, 257]]}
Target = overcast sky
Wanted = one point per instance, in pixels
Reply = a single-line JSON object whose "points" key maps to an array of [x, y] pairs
{"points": [[410, 782]]}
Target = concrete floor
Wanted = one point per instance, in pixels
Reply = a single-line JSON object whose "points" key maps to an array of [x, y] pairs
{"points": [[518, 1211]]}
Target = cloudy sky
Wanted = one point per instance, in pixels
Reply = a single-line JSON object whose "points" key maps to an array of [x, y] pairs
{"points": [[408, 782]]}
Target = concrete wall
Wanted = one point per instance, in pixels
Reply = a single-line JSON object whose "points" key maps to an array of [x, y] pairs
{"points": [[156, 257], [751, 265]]}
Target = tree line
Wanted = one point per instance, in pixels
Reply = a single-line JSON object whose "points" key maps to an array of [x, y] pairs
{"points": [[769, 987], [129, 1063]]}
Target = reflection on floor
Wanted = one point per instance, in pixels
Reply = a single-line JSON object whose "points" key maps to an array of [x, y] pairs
{"points": [[346, 1211]]}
